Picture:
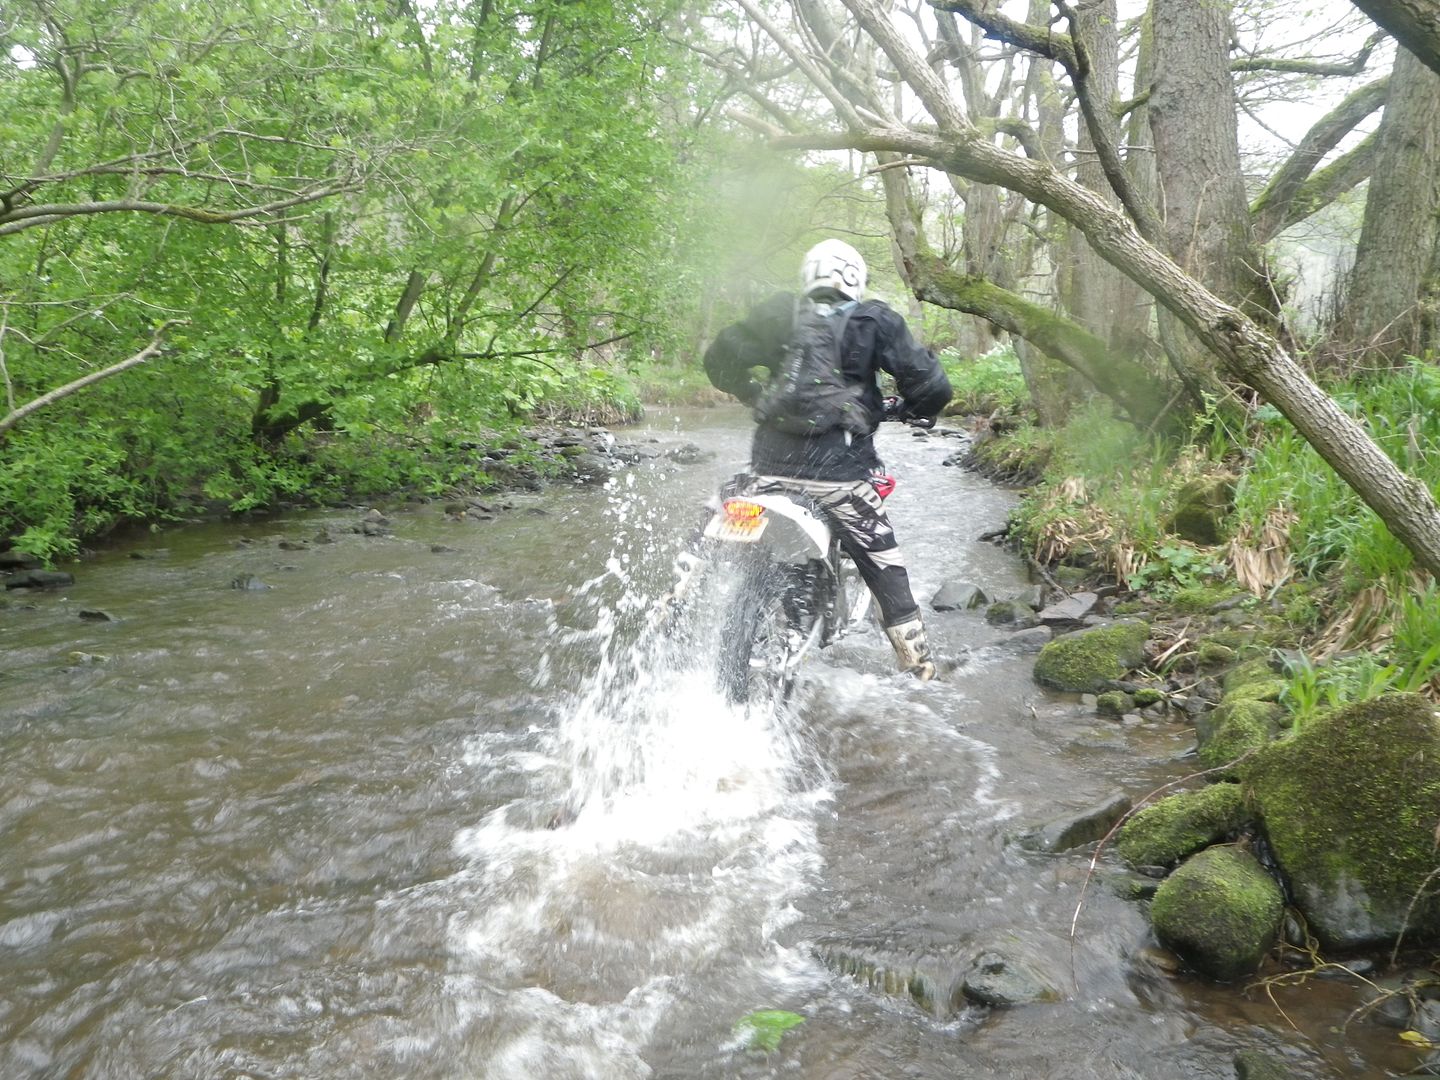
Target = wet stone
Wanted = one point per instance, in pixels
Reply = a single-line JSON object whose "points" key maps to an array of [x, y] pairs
{"points": [[958, 596], [999, 982], [40, 579], [1078, 828], [1254, 1065], [1073, 609], [96, 615], [1032, 639]]}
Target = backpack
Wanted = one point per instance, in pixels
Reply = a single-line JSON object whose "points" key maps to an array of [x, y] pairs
{"points": [[808, 395]]}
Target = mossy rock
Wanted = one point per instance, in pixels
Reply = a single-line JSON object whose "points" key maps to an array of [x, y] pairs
{"points": [[1350, 804], [1086, 660], [1235, 727], [1072, 576], [1198, 599], [1014, 613], [1220, 911], [1256, 670], [1213, 654], [1201, 507], [1147, 696], [1269, 689], [1232, 637], [1114, 703], [1180, 825]]}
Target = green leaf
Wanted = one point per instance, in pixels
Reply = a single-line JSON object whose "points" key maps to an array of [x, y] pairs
{"points": [[763, 1030]]}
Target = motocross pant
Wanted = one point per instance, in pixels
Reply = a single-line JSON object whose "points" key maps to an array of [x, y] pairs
{"points": [[856, 510]]}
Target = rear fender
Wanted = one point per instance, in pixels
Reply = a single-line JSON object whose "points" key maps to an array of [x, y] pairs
{"points": [[795, 533]]}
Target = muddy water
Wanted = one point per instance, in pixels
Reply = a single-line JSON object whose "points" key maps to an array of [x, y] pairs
{"points": [[301, 832]]}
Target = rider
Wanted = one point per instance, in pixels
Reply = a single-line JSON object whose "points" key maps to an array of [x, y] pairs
{"points": [[834, 466]]}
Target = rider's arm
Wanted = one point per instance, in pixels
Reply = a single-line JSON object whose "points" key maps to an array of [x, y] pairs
{"points": [[918, 375], [756, 341]]}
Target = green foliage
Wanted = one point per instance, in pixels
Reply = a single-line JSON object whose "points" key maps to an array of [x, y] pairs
{"points": [[675, 384], [517, 165], [1333, 528], [1312, 688], [1183, 573], [764, 1029], [986, 383]]}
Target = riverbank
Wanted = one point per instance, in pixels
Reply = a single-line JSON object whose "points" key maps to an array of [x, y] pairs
{"points": [[1300, 686]]}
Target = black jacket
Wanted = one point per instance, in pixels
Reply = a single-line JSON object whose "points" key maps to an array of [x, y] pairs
{"points": [[876, 340]]}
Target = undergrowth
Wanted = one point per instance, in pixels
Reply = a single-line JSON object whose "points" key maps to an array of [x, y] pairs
{"points": [[1295, 534], [986, 384]]}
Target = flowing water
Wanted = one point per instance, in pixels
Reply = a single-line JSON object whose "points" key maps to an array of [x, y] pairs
{"points": [[306, 831]]}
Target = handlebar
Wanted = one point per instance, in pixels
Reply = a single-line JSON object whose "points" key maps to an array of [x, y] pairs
{"points": [[895, 410]]}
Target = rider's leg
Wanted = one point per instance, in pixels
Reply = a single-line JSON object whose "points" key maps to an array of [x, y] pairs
{"points": [[868, 538]]}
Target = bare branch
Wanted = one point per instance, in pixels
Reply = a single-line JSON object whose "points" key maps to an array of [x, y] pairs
{"points": [[1272, 207], [16, 415], [27, 217]]}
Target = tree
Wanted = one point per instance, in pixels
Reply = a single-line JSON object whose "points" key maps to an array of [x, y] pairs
{"points": [[1246, 351], [1385, 316]]}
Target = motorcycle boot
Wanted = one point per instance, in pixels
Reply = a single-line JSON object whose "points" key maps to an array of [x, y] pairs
{"points": [[912, 650]]}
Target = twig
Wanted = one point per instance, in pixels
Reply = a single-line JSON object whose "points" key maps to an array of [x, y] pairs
{"points": [[1100, 847]]}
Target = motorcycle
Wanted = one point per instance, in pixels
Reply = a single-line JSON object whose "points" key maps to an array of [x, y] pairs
{"points": [[796, 590]]}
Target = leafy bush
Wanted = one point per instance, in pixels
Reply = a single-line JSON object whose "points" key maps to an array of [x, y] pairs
{"points": [[986, 383]]}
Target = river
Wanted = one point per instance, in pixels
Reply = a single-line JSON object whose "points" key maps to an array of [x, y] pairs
{"points": [[302, 831]]}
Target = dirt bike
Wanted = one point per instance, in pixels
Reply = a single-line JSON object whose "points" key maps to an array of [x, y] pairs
{"points": [[797, 590]]}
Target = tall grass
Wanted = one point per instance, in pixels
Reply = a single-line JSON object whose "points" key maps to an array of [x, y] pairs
{"points": [[1334, 529]]}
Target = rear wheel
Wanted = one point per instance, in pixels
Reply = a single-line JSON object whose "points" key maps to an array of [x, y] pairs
{"points": [[775, 617]]}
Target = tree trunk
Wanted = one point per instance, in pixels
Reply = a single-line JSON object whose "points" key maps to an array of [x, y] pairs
{"points": [[1094, 293], [1087, 354], [1415, 24], [1383, 319]]}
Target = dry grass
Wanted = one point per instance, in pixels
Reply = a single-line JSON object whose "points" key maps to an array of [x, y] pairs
{"points": [[1263, 563]]}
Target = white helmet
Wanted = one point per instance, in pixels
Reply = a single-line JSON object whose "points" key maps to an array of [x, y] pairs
{"points": [[833, 264]]}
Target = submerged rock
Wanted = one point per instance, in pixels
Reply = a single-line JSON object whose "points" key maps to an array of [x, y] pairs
{"points": [[1220, 912], [1087, 660], [1182, 824], [248, 583], [958, 596], [999, 981], [932, 982], [1350, 804], [1078, 828], [40, 579]]}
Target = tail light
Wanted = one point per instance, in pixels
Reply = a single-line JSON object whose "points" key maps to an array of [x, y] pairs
{"points": [[742, 511]]}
